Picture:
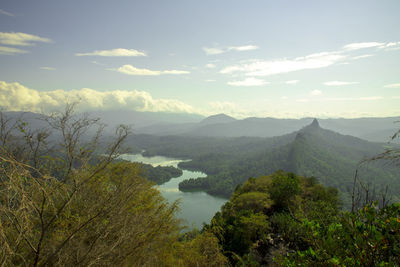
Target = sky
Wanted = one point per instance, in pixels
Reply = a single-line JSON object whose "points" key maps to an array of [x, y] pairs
{"points": [[284, 59]]}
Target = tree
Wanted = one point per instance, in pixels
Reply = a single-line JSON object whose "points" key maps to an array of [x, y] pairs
{"points": [[63, 204]]}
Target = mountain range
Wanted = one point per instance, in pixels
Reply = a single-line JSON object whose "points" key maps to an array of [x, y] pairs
{"points": [[221, 125]]}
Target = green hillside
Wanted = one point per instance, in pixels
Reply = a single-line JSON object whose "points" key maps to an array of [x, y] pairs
{"points": [[313, 151]]}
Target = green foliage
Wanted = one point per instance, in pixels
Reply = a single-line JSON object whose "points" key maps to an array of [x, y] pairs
{"points": [[283, 189], [201, 250], [265, 216], [159, 174], [368, 237]]}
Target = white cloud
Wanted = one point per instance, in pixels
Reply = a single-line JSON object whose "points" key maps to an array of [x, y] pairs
{"points": [[313, 61], [284, 97], [210, 80], [357, 46], [393, 85], [266, 68], [118, 52], [249, 82], [292, 82], [47, 68], [213, 51], [219, 50], [3, 12], [315, 93], [131, 70], [4, 50], [16, 97], [363, 56], [339, 83], [210, 66], [21, 39], [242, 48]]}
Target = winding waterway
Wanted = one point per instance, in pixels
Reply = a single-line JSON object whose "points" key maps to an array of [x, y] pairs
{"points": [[196, 207]]}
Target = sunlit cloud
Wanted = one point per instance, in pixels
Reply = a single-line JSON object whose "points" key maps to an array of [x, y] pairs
{"points": [[210, 66], [339, 83], [131, 70], [271, 67], [292, 82], [363, 56], [219, 50], [16, 97], [261, 67], [118, 52], [357, 46], [4, 50], [3, 12], [393, 85], [213, 51], [21, 39], [315, 93], [249, 82], [47, 68], [242, 48]]}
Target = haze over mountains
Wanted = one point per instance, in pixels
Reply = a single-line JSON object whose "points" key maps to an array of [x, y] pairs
{"points": [[221, 125]]}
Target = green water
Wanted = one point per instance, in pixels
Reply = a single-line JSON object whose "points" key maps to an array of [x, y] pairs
{"points": [[196, 207]]}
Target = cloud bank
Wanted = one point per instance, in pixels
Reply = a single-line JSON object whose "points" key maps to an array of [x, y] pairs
{"points": [[271, 67], [393, 85], [249, 82], [16, 97], [216, 51], [338, 83], [313, 61], [4, 50], [118, 52], [3, 12], [21, 39], [131, 70]]}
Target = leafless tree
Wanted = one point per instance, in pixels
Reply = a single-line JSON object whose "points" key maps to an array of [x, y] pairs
{"points": [[65, 204]]}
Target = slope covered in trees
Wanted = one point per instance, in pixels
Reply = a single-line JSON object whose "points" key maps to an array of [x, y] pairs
{"points": [[290, 220], [311, 151]]}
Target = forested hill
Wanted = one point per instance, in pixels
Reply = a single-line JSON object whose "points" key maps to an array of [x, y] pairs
{"points": [[311, 151]]}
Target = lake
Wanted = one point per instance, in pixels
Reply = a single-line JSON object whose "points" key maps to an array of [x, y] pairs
{"points": [[196, 207]]}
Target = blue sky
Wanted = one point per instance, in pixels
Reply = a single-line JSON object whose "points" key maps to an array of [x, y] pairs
{"points": [[244, 58]]}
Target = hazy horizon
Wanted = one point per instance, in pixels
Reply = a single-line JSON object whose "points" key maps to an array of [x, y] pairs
{"points": [[279, 59]]}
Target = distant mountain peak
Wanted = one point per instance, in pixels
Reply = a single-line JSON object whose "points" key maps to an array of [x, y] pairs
{"points": [[218, 118], [313, 127], [315, 123]]}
